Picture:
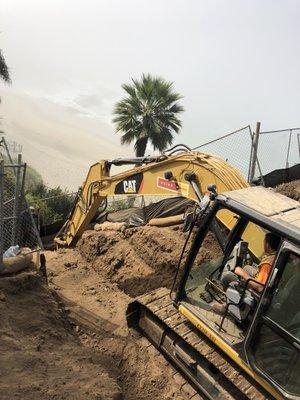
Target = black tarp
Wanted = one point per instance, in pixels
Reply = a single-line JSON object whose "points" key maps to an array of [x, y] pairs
{"points": [[279, 176], [132, 216], [51, 229], [140, 216]]}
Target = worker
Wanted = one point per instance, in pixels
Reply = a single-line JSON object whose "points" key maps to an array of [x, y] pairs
{"points": [[27, 233], [259, 274]]}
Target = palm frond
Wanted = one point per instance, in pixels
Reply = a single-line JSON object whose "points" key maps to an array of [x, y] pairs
{"points": [[129, 89], [128, 137], [149, 113]]}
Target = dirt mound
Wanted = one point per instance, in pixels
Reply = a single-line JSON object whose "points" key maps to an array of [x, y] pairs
{"points": [[140, 260], [291, 189], [157, 247], [142, 373], [41, 356]]}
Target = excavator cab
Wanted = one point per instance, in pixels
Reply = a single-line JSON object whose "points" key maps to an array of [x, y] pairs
{"points": [[261, 325], [217, 258], [252, 349]]}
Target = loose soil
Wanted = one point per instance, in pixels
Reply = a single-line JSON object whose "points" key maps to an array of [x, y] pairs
{"points": [[47, 354], [41, 355], [102, 274], [291, 189]]}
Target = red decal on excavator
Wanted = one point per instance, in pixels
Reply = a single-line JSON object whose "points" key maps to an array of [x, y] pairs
{"points": [[169, 185]]}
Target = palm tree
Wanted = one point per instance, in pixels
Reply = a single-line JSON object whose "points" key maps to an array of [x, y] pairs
{"points": [[148, 114], [4, 72]]}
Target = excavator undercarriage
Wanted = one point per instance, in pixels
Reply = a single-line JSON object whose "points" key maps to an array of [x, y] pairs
{"points": [[197, 357]]}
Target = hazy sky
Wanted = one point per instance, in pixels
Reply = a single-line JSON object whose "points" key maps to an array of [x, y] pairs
{"points": [[235, 61]]}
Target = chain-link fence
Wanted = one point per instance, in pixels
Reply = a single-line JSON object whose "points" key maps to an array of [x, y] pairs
{"points": [[117, 203], [278, 149], [50, 213], [256, 154], [235, 147], [14, 147], [120, 202], [10, 147], [17, 225]]}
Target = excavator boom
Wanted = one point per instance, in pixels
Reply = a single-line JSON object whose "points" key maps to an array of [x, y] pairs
{"points": [[186, 174]]}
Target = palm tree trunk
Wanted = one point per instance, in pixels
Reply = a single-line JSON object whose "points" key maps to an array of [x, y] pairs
{"points": [[140, 146]]}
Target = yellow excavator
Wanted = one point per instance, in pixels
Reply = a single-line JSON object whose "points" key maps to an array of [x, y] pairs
{"points": [[250, 350], [178, 172]]}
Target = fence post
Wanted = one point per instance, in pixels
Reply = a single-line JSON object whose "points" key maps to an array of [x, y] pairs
{"points": [[253, 159], [1, 211], [3, 141], [17, 203], [288, 150]]}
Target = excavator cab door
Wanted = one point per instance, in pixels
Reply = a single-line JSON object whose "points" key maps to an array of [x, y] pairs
{"points": [[272, 345]]}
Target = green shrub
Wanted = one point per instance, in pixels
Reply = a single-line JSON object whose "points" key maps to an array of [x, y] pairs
{"points": [[52, 204], [121, 204]]}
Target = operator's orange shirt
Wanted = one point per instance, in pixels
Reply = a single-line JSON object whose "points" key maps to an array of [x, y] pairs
{"points": [[264, 269]]}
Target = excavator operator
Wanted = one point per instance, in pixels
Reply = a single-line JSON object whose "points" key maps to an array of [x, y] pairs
{"points": [[260, 273]]}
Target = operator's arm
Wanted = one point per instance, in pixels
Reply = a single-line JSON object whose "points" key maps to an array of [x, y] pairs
{"points": [[262, 278]]}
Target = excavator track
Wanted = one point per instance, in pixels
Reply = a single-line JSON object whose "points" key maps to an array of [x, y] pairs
{"points": [[201, 362]]}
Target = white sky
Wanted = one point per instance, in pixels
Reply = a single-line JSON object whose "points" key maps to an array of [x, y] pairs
{"points": [[236, 61]]}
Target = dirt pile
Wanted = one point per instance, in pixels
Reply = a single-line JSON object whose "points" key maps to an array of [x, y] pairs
{"points": [[140, 260], [41, 355], [291, 189], [44, 354], [100, 274]]}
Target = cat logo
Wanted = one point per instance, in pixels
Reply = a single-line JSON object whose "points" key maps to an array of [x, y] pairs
{"points": [[129, 186], [132, 185]]}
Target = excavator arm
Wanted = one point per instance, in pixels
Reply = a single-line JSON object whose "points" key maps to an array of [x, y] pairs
{"points": [[186, 174]]}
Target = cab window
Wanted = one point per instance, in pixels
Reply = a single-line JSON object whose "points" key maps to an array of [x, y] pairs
{"points": [[277, 342], [210, 255]]}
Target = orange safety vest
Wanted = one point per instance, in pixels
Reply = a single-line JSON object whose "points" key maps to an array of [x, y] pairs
{"points": [[264, 268]]}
